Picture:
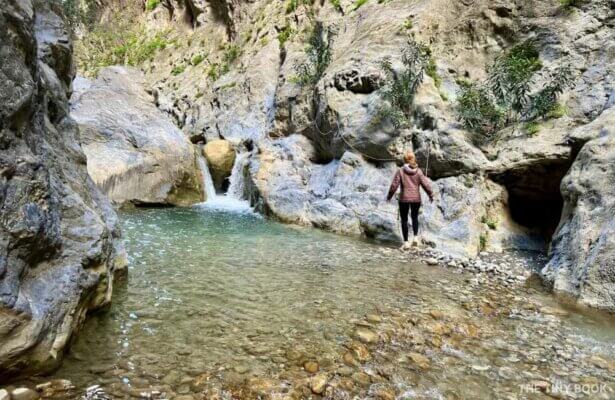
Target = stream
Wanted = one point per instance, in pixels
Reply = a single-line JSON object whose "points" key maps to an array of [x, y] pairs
{"points": [[222, 303]]}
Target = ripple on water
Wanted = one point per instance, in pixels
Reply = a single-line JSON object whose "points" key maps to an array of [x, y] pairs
{"points": [[225, 302]]}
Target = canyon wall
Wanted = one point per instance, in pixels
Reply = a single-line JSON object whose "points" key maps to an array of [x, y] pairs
{"points": [[233, 70], [59, 237]]}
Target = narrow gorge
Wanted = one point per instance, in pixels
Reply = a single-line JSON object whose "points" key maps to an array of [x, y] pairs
{"points": [[194, 206]]}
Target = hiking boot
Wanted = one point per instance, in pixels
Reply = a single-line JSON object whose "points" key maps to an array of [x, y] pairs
{"points": [[416, 242], [405, 246]]}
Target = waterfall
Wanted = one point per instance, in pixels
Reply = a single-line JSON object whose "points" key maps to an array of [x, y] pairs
{"points": [[208, 183], [232, 201], [237, 180]]}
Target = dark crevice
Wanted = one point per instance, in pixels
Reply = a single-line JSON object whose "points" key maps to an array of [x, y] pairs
{"points": [[534, 197]]}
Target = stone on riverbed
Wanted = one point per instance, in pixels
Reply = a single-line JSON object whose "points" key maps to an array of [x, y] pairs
{"points": [[318, 383], [4, 395], [24, 394], [365, 335]]}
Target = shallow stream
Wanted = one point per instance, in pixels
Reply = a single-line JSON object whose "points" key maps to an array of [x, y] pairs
{"points": [[227, 304]]}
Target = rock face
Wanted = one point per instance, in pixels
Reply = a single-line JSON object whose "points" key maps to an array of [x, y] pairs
{"points": [[315, 158], [220, 156], [59, 236], [583, 250], [134, 153]]}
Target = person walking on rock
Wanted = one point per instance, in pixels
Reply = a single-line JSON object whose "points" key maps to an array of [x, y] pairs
{"points": [[410, 178]]}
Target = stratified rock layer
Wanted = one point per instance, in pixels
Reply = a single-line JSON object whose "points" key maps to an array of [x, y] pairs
{"points": [[134, 153], [59, 237]]}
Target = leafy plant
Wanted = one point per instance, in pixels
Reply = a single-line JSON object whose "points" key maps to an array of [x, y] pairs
{"points": [[150, 5], [532, 128], [408, 24], [493, 225], [432, 71], [178, 69], [570, 5], [231, 53], [197, 59], [359, 3], [400, 86], [285, 34], [482, 245], [506, 97], [337, 5], [291, 5], [319, 55], [213, 72]]}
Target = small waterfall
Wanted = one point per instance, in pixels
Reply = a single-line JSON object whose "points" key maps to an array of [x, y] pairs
{"points": [[208, 183], [237, 180], [232, 201]]}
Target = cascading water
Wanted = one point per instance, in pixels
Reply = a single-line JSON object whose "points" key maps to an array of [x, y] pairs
{"points": [[208, 183], [237, 180], [231, 201]]}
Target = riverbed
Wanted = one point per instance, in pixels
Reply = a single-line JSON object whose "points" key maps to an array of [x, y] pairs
{"points": [[220, 302]]}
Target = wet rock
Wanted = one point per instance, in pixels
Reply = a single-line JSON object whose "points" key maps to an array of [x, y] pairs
{"points": [[311, 366], [365, 335], [220, 156], [24, 394], [373, 318], [318, 383], [241, 369], [419, 360], [349, 359], [362, 379], [436, 314], [360, 351], [385, 393], [56, 386]]}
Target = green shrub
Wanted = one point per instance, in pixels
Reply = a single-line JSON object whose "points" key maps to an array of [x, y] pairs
{"points": [[532, 128], [231, 53], [358, 4], [337, 5], [291, 5], [400, 86], [408, 24], [213, 72], [506, 97], [178, 69], [570, 5], [558, 111], [197, 59], [285, 34], [432, 71], [150, 5], [482, 245], [493, 225], [318, 53]]}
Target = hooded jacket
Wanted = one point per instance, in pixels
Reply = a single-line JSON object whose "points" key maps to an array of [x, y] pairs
{"points": [[410, 180]]}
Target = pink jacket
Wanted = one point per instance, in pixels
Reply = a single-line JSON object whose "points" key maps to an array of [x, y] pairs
{"points": [[410, 179]]}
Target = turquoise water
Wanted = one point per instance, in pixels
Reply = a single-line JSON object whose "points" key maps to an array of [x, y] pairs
{"points": [[227, 304]]}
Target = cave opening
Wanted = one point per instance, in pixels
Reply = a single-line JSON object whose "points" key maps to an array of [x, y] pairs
{"points": [[534, 197]]}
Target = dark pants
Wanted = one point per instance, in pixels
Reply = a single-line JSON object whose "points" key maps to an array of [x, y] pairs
{"points": [[414, 215]]}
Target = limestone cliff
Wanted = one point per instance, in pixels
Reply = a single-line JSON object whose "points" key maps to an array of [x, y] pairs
{"points": [[59, 237], [233, 70]]}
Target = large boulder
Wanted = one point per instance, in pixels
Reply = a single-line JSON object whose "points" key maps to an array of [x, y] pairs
{"points": [[582, 256], [135, 154], [59, 236], [220, 156]]}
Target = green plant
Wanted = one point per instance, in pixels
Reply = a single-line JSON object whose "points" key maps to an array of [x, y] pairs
{"points": [[489, 222], [291, 5], [558, 111], [213, 72], [477, 110], [318, 53], [231, 53], [178, 69], [482, 242], [80, 12], [532, 128], [337, 5], [400, 86], [432, 71], [284, 34], [151, 4], [197, 59], [570, 5], [507, 97], [358, 4], [407, 25]]}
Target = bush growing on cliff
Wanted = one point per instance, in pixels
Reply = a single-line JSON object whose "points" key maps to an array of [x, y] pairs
{"points": [[318, 52], [400, 86], [507, 97], [150, 5]]}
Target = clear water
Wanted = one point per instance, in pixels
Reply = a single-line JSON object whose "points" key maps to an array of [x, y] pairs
{"points": [[222, 304]]}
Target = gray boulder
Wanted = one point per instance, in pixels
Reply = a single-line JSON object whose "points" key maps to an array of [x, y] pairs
{"points": [[582, 255], [59, 237], [135, 154]]}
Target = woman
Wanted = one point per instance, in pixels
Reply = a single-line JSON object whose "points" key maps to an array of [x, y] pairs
{"points": [[411, 179]]}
